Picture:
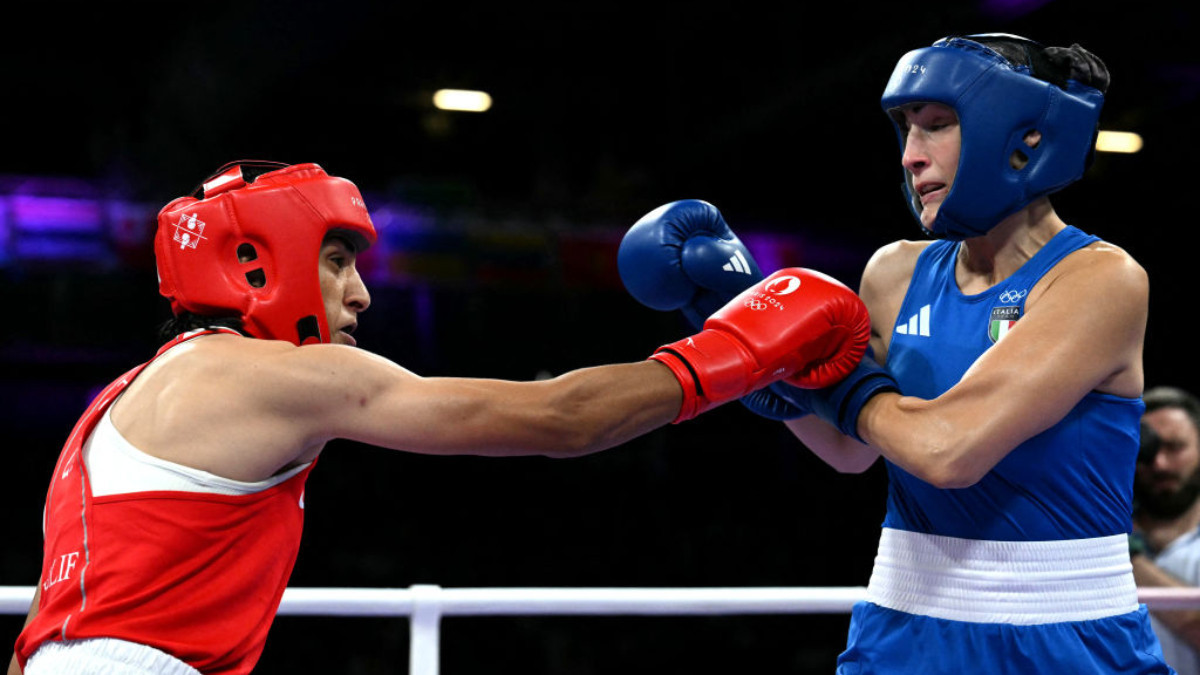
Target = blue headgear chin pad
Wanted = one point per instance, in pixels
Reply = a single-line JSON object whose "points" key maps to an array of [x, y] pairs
{"points": [[997, 105]]}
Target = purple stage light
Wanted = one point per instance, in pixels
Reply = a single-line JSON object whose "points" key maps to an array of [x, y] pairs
{"points": [[1009, 9], [56, 215], [56, 228]]}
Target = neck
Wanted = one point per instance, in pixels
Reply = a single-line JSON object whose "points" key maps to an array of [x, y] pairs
{"points": [[987, 260]]}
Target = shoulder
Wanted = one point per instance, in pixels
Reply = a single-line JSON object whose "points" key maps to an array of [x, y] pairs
{"points": [[1100, 269], [219, 351], [268, 364], [219, 360], [888, 272], [243, 408], [885, 282], [1098, 290], [268, 374], [1111, 259], [894, 262]]}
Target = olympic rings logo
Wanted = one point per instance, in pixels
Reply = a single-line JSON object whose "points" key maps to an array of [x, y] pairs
{"points": [[760, 300], [1013, 296]]}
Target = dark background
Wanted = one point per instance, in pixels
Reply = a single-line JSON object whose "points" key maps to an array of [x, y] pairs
{"points": [[601, 113]]}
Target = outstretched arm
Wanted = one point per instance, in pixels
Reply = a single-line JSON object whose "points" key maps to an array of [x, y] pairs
{"points": [[245, 409], [795, 324], [577, 413], [289, 401]]}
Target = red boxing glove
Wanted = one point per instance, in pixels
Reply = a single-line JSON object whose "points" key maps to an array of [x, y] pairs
{"points": [[797, 325]]}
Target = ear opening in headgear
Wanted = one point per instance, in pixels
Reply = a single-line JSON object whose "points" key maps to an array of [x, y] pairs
{"points": [[307, 328], [247, 253], [1019, 158], [257, 278]]}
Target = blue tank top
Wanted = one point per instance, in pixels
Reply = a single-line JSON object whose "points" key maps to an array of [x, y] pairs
{"points": [[1072, 481]]}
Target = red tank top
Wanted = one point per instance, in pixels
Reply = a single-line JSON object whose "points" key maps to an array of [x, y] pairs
{"points": [[196, 575]]}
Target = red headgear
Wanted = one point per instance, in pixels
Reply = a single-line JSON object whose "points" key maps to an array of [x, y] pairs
{"points": [[247, 243]]}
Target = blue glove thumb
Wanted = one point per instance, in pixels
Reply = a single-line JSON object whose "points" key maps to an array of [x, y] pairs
{"points": [[841, 404], [683, 255]]}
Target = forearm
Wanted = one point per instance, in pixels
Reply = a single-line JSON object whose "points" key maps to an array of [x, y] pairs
{"points": [[843, 453], [1184, 623], [599, 408], [941, 442], [577, 413], [1146, 573]]}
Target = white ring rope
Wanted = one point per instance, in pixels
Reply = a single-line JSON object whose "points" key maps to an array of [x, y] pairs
{"points": [[538, 601], [427, 604], [584, 601]]}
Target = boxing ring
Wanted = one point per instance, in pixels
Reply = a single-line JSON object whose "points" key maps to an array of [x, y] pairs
{"points": [[426, 605]]}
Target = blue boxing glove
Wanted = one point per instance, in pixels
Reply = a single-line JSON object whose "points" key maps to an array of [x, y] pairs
{"points": [[684, 256], [766, 403], [840, 405]]}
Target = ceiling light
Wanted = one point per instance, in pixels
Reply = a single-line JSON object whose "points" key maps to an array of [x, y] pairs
{"points": [[1118, 141], [463, 100]]}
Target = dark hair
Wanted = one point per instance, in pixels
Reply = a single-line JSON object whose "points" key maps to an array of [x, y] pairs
{"points": [[1055, 65], [1173, 397], [186, 321]]}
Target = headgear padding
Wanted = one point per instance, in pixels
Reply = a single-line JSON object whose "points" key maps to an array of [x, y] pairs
{"points": [[247, 243], [998, 104]]}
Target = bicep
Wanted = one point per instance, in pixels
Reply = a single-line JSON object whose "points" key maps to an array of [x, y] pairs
{"points": [[1085, 330], [325, 393]]}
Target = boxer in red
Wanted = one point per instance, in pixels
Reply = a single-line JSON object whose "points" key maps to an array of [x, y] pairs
{"points": [[174, 514]]}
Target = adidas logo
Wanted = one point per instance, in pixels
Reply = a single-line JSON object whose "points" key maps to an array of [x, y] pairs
{"points": [[737, 263], [918, 324]]}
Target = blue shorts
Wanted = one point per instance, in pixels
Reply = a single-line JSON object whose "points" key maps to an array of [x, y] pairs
{"points": [[883, 640]]}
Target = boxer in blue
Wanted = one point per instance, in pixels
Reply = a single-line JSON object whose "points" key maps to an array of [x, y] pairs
{"points": [[1008, 402]]}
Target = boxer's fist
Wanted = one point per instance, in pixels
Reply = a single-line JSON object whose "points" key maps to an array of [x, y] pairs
{"points": [[796, 325], [840, 405], [683, 256]]}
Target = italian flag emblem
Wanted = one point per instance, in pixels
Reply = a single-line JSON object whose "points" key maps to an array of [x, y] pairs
{"points": [[1002, 321]]}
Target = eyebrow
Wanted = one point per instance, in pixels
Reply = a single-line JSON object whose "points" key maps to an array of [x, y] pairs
{"points": [[342, 239]]}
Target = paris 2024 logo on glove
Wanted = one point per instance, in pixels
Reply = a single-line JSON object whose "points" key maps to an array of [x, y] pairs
{"points": [[771, 291]]}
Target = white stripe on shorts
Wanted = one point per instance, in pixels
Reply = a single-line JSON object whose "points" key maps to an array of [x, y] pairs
{"points": [[1016, 582], [103, 655]]}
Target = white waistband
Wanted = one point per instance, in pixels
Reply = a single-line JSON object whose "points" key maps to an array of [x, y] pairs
{"points": [[103, 655], [1017, 582]]}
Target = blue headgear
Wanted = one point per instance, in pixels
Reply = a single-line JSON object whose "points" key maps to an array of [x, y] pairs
{"points": [[997, 104]]}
